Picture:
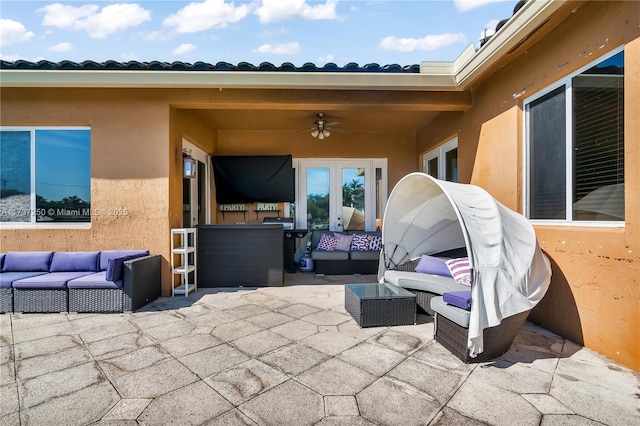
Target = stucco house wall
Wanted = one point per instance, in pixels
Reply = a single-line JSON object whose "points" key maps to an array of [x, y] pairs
{"points": [[594, 297]]}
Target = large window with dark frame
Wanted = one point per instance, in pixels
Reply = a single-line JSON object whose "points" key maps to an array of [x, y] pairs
{"points": [[575, 146], [45, 175]]}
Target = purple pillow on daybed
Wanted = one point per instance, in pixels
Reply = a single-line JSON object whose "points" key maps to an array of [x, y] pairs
{"points": [[460, 299], [74, 261], [26, 261], [433, 265]]}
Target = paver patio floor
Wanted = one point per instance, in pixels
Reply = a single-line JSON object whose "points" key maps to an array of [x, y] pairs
{"points": [[290, 355]]}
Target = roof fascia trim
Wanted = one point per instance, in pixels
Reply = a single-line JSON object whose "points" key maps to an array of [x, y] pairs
{"points": [[226, 79], [529, 17]]}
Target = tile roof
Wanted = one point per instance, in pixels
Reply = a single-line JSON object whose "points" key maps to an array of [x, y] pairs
{"points": [[203, 66]]}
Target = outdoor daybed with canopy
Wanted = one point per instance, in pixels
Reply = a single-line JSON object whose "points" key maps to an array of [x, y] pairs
{"points": [[510, 274]]}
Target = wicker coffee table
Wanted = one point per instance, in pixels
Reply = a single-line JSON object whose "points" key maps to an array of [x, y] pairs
{"points": [[377, 305]]}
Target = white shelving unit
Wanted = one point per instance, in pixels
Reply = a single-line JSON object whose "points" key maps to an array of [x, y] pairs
{"points": [[185, 267]]}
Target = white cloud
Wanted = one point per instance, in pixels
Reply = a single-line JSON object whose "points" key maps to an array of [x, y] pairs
{"points": [[326, 59], [97, 23], [427, 43], [279, 49], [61, 47], [467, 5], [184, 48], [285, 10], [201, 16], [13, 32]]}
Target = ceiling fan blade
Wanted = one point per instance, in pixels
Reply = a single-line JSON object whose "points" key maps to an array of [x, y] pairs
{"points": [[331, 123], [337, 129]]}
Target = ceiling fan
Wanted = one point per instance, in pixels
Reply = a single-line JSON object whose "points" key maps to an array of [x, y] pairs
{"points": [[322, 128]]}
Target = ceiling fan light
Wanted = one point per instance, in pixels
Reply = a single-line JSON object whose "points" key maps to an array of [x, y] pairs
{"points": [[315, 133], [326, 133], [321, 135]]}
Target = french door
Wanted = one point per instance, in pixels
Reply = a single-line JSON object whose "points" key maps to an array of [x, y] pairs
{"points": [[442, 162], [195, 192], [340, 195]]}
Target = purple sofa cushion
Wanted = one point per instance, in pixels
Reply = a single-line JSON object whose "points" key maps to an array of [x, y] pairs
{"points": [[460, 299], [433, 265], [50, 280], [83, 261], [96, 280], [26, 261], [105, 255], [115, 267], [1, 260], [7, 278]]}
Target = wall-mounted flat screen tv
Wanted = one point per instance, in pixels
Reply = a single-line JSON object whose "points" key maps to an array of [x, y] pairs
{"points": [[253, 178]]}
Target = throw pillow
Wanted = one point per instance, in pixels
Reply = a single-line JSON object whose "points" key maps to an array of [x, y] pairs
{"points": [[433, 265], [460, 270], [343, 241], [327, 242], [375, 243], [360, 242]]}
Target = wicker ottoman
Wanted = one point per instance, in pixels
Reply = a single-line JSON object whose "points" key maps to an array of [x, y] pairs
{"points": [[378, 305]]}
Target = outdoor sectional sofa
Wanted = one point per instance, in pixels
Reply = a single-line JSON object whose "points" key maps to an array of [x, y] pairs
{"points": [[355, 252], [91, 281]]}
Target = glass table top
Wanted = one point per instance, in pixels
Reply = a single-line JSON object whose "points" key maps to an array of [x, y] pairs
{"points": [[378, 291]]}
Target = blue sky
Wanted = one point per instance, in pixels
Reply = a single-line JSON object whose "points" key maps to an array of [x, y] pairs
{"points": [[298, 31]]}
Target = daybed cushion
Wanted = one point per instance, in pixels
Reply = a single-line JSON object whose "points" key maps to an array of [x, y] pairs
{"points": [[457, 315], [460, 299], [1, 260], [105, 255], [364, 255], [423, 282], [95, 280], [7, 278], [329, 255], [84, 261], [50, 280], [433, 265], [26, 261]]}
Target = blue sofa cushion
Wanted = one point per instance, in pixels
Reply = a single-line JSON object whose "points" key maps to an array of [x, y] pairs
{"points": [[26, 261], [1, 260], [7, 278], [105, 255], [83, 261], [460, 299], [50, 280], [115, 267], [95, 280]]}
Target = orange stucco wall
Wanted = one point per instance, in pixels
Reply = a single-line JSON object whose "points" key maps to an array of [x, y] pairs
{"points": [[594, 297]]}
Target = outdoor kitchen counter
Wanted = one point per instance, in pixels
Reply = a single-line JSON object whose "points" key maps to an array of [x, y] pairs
{"points": [[240, 255]]}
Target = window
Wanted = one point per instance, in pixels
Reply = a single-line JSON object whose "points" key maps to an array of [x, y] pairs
{"points": [[45, 175], [442, 162], [575, 146]]}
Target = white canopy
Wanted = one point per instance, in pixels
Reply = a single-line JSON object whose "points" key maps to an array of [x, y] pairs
{"points": [[426, 216]]}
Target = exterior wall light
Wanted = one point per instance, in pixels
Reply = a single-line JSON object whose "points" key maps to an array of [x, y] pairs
{"points": [[189, 166]]}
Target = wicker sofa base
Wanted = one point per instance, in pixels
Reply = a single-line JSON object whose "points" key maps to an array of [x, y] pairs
{"points": [[497, 340], [346, 267], [96, 300], [423, 300], [40, 300], [6, 300]]}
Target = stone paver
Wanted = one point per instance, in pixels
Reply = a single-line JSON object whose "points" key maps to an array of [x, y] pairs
{"points": [[290, 356]]}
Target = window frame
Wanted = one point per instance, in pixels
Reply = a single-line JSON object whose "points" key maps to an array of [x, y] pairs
{"points": [[566, 81], [34, 223], [440, 153]]}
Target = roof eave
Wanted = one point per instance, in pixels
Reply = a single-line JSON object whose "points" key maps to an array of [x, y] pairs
{"points": [[226, 79]]}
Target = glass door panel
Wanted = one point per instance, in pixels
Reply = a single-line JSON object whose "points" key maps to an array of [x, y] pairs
{"points": [[353, 199], [317, 194]]}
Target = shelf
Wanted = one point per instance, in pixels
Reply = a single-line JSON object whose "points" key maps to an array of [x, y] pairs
{"points": [[184, 272]]}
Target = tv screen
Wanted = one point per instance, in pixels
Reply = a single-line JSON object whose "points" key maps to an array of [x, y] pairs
{"points": [[253, 178]]}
